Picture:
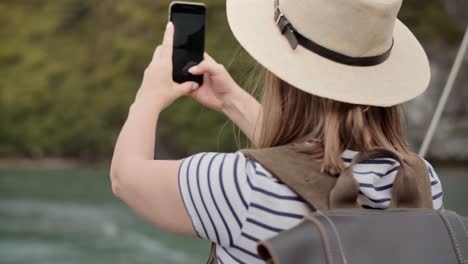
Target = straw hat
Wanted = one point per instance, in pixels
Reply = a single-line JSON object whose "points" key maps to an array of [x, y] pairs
{"points": [[353, 51]]}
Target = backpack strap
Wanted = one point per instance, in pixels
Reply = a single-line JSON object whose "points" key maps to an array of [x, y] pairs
{"points": [[411, 187], [322, 191], [298, 171], [213, 258]]}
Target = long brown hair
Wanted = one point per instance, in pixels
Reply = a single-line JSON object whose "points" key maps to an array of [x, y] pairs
{"points": [[322, 127]]}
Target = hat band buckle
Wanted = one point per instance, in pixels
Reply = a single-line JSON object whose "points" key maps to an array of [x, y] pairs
{"points": [[295, 38]]}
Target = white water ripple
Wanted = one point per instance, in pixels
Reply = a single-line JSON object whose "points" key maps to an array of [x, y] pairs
{"points": [[67, 232]]}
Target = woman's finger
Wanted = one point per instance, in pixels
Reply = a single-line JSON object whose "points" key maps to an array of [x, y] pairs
{"points": [[186, 88], [208, 57], [207, 66], [206, 79], [157, 53], [168, 41]]}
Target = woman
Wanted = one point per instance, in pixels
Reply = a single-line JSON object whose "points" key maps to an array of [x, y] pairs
{"points": [[336, 74]]}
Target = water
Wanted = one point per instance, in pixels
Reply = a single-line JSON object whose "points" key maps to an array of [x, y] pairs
{"points": [[51, 217], [71, 216]]}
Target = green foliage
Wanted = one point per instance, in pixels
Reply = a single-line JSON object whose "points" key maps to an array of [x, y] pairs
{"points": [[70, 69], [429, 21]]}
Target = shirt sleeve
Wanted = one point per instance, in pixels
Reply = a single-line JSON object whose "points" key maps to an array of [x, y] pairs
{"points": [[436, 187], [216, 193]]}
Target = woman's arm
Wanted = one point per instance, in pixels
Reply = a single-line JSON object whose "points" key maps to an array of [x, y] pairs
{"points": [[221, 93], [148, 186], [245, 111]]}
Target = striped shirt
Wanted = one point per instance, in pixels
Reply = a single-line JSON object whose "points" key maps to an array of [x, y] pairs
{"points": [[234, 202]]}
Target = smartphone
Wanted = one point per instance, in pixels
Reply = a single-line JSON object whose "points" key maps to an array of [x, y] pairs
{"points": [[189, 40]]}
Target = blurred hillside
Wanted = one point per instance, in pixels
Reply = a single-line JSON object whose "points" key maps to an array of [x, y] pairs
{"points": [[69, 70]]}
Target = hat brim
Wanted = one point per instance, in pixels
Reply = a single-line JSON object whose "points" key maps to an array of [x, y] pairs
{"points": [[402, 77]]}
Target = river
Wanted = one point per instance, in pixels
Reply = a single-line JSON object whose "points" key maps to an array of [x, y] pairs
{"points": [[70, 217]]}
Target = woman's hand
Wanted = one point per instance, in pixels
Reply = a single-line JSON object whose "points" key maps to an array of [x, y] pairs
{"points": [[221, 93], [158, 88], [218, 87]]}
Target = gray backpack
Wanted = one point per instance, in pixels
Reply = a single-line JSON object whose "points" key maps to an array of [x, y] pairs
{"points": [[339, 231]]}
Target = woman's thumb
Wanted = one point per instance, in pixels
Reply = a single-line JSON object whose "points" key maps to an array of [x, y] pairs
{"points": [[186, 88], [206, 66]]}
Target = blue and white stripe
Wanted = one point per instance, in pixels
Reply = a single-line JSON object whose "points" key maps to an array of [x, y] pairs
{"points": [[235, 202]]}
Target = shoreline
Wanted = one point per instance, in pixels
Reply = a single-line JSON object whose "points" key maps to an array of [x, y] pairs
{"points": [[50, 164], [58, 163]]}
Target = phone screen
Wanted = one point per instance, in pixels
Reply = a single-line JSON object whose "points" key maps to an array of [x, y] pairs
{"points": [[189, 40]]}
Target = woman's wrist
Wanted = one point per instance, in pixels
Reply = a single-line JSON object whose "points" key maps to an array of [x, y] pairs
{"points": [[244, 110], [145, 106], [233, 101]]}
